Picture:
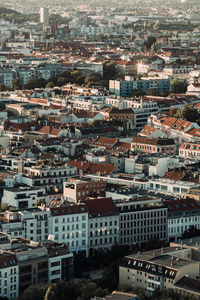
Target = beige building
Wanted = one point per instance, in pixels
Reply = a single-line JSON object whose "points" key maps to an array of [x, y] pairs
{"points": [[153, 145], [160, 269]]}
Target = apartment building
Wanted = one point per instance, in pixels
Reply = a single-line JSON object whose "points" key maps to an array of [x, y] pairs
{"points": [[125, 116], [153, 145], [162, 185], [6, 77], [141, 220], [48, 176], [103, 223], [23, 197], [9, 275], [141, 109], [159, 269], [70, 225], [180, 130], [33, 266], [125, 88], [31, 224], [76, 189], [190, 150], [126, 67], [182, 215], [24, 263], [60, 261]]}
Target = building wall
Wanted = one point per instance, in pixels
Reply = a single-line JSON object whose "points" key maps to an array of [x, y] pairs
{"points": [[9, 286], [138, 227], [103, 231], [72, 230], [56, 267]]}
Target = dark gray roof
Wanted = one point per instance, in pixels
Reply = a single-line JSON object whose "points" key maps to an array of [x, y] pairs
{"points": [[189, 283]]}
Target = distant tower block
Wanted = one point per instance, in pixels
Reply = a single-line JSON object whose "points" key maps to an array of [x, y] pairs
{"points": [[44, 15], [145, 26]]}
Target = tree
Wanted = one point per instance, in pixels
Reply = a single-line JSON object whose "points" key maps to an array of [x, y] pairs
{"points": [[34, 292], [172, 111], [150, 41], [188, 113], [191, 232], [137, 93], [32, 83], [39, 202], [36, 83], [154, 48], [4, 206], [2, 106], [152, 92], [50, 295], [108, 70], [50, 84], [61, 81], [80, 80], [88, 290], [17, 84], [178, 86], [96, 123], [111, 276], [3, 88]]}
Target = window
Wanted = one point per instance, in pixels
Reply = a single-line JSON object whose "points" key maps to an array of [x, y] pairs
{"points": [[56, 263]]}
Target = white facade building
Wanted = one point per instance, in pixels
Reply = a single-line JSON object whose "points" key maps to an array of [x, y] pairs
{"points": [[70, 225], [182, 215], [23, 197], [44, 15], [9, 276], [103, 223], [31, 224]]}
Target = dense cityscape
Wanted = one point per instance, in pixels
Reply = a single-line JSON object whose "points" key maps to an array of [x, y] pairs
{"points": [[100, 150]]}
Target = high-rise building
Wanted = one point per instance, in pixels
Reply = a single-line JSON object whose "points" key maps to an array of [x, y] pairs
{"points": [[44, 15]]}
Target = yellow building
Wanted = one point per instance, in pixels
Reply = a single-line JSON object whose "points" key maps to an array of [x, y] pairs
{"points": [[161, 269]]}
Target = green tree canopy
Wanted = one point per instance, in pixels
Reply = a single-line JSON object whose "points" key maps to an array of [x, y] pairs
{"points": [[50, 295], [152, 92], [108, 70], [17, 84], [178, 86], [188, 113], [50, 84]]}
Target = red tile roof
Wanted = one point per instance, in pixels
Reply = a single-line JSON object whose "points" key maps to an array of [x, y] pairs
{"points": [[105, 142], [177, 124], [50, 130], [181, 205], [100, 207], [15, 127], [190, 146], [74, 209], [93, 168], [182, 175], [122, 147], [147, 130], [7, 261], [45, 129], [39, 101], [194, 132]]}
